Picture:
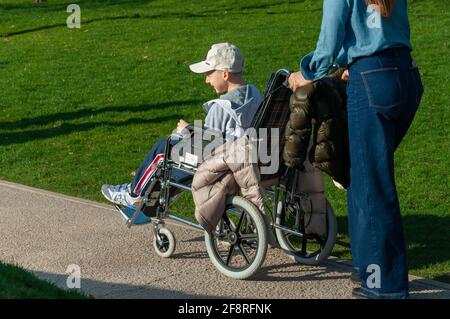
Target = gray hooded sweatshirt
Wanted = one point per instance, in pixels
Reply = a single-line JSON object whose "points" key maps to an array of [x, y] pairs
{"points": [[233, 112]]}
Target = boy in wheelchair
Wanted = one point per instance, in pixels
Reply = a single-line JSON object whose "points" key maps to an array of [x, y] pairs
{"points": [[294, 214], [232, 113]]}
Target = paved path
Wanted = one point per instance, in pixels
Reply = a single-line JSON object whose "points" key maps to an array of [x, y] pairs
{"points": [[45, 232]]}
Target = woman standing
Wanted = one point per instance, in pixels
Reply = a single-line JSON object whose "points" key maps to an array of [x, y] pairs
{"points": [[371, 38]]}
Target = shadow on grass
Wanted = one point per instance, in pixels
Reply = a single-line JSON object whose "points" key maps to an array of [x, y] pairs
{"points": [[92, 4], [164, 15], [16, 282], [67, 116], [426, 239], [68, 128], [61, 6], [46, 27]]}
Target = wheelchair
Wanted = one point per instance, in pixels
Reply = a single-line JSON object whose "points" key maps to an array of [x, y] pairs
{"points": [[238, 245]]}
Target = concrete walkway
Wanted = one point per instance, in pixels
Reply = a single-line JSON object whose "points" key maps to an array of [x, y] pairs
{"points": [[46, 232]]}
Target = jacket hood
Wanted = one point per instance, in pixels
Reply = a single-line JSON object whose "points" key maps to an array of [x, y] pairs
{"points": [[241, 103]]}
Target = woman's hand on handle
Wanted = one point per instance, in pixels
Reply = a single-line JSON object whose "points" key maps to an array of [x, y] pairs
{"points": [[297, 80], [345, 76]]}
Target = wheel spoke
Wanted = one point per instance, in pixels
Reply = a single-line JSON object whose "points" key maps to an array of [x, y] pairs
{"points": [[244, 253], [304, 241], [249, 236], [240, 221], [221, 228], [228, 222], [230, 254], [251, 240]]}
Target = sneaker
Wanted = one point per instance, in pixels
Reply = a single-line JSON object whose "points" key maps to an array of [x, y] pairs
{"points": [[119, 194]]}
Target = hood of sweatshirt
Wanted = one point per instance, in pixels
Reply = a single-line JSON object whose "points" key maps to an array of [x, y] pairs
{"points": [[241, 103]]}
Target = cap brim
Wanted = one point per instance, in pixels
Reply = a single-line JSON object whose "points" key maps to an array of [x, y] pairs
{"points": [[201, 67]]}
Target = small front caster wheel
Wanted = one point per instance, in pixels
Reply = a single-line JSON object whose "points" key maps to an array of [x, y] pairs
{"points": [[165, 244]]}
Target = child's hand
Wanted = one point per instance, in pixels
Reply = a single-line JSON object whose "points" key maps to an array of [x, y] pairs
{"points": [[181, 125]]}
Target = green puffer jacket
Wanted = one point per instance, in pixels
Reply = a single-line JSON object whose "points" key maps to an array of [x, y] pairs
{"points": [[320, 109]]}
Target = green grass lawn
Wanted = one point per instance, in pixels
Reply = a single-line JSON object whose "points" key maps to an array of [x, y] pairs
{"points": [[81, 107]]}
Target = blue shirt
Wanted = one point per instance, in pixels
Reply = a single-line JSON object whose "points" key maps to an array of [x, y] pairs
{"points": [[351, 29]]}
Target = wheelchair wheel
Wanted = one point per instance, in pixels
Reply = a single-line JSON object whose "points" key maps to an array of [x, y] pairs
{"points": [[308, 249], [165, 246], [238, 246]]}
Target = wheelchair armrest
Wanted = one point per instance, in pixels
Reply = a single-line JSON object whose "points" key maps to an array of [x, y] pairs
{"points": [[191, 128], [189, 131], [193, 151]]}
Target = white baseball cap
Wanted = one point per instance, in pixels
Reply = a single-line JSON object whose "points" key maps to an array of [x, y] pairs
{"points": [[221, 56]]}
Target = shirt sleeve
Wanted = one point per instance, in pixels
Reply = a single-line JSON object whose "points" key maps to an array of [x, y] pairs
{"points": [[342, 58], [316, 64]]}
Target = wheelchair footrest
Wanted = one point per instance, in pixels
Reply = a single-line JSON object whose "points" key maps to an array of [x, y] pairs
{"points": [[127, 214]]}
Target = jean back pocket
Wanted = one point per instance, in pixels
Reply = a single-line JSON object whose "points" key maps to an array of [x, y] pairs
{"points": [[384, 90]]}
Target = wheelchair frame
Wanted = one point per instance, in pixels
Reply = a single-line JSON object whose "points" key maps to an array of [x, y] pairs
{"points": [[281, 195]]}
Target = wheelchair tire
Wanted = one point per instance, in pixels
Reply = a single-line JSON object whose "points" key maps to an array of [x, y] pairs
{"points": [[325, 244], [166, 247], [239, 250]]}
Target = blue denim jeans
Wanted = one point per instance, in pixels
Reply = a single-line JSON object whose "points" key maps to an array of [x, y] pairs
{"points": [[157, 149], [384, 92]]}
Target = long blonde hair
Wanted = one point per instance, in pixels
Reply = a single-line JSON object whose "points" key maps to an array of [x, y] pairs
{"points": [[386, 7]]}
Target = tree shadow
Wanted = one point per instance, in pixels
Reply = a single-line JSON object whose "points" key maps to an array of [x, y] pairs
{"points": [[191, 255], [419, 288], [426, 239], [67, 116], [68, 128], [104, 290], [297, 274], [50, 6], [94, 4], [195, 239], [47, 7]]}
